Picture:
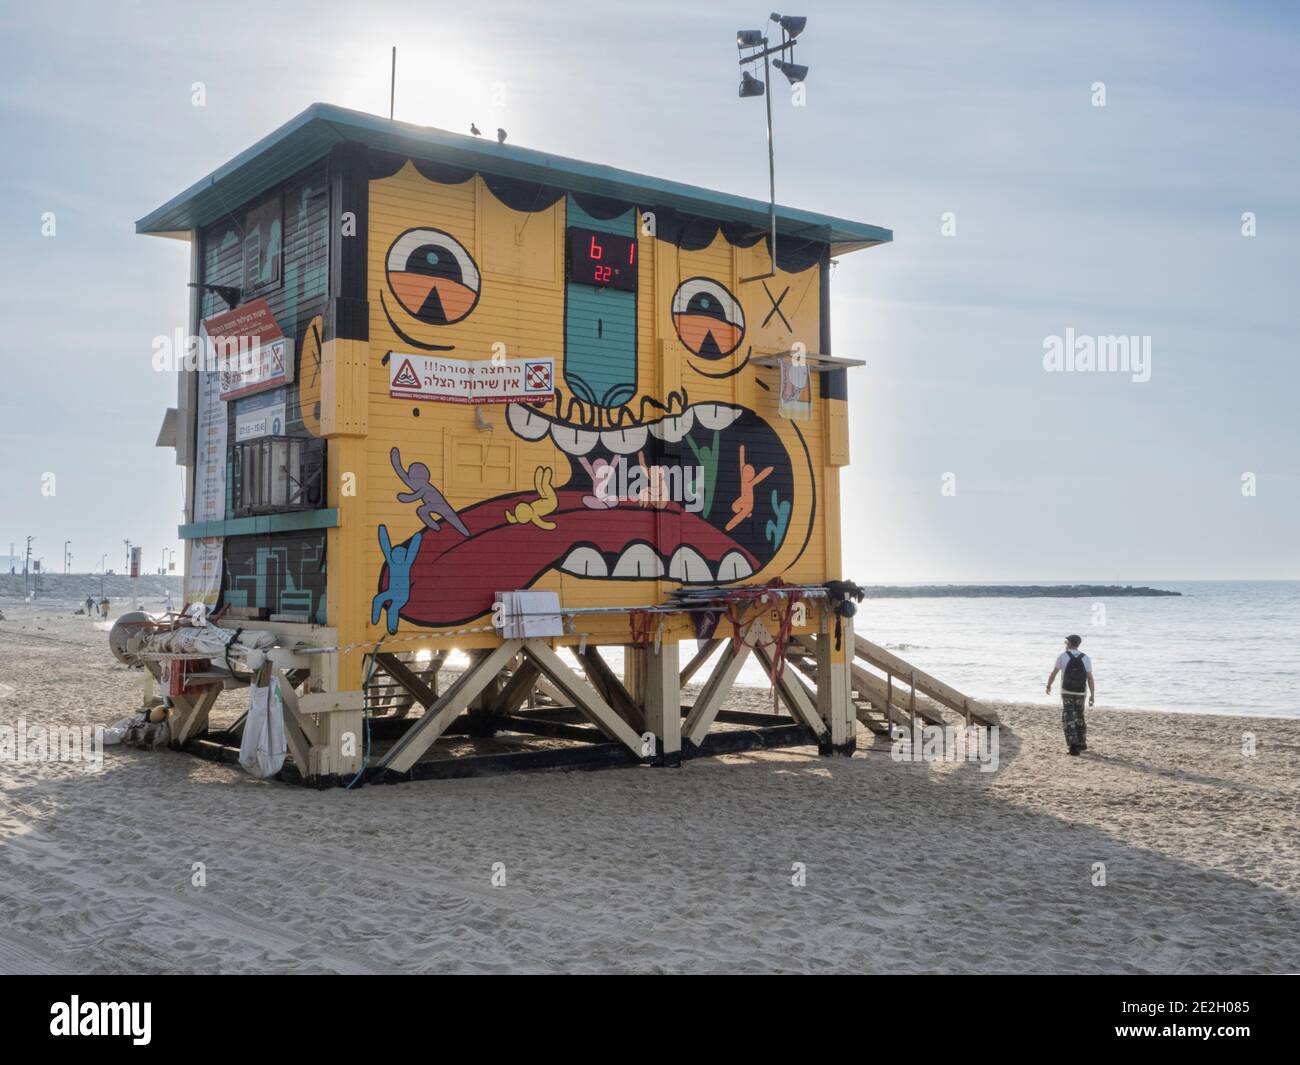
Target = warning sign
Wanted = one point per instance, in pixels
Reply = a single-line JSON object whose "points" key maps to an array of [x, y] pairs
{"points": [[405, 376], [433, 377], [248, 349]]}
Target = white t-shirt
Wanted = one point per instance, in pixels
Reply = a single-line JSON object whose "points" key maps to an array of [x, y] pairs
{"points": [[1063, 660]]}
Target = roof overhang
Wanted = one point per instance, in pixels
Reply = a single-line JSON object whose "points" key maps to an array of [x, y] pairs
{"points": [[309, 137]]}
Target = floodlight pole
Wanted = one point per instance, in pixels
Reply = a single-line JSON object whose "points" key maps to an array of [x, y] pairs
{"points": [[771, 154], [786, 42]]}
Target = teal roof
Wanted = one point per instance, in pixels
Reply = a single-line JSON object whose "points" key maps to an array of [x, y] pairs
{"points": [[309, 137]]}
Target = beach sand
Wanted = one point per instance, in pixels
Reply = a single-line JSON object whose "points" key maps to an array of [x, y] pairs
{"points": [[909, 867]]}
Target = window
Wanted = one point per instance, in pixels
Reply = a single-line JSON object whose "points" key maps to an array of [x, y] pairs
{"points": [[262, 246], [279, 473]]}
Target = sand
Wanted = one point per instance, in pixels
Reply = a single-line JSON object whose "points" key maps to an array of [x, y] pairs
{"points": [[909, 867]]}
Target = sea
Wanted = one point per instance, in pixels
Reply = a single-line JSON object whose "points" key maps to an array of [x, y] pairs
{"points": [[1222, 647]]}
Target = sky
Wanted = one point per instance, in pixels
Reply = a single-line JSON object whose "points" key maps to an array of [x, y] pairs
{"points": [[1020, 208]]}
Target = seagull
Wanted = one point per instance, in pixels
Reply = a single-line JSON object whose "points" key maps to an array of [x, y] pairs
{"points": [[474, 129], [501, 136]]}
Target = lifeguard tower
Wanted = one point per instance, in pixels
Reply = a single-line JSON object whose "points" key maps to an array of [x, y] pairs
{"points": [[472, 396]]}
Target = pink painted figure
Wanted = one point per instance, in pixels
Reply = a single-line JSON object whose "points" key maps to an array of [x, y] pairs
{"points": [[602, 472]]}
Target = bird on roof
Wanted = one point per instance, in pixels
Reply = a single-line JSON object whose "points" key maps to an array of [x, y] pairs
{"points": [[501, 135], [474, 129]]}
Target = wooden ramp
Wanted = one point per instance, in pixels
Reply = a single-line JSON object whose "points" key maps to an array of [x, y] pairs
{"points": [[902, 694]]}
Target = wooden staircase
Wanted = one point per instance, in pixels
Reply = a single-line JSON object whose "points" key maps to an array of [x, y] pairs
{"points": [[902, 696]]}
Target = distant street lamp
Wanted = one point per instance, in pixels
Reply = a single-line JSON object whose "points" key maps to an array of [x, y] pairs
{"points": [[27, 564]]}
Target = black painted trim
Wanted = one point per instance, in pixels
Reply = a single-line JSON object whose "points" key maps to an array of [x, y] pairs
{"points": [[834, 385], [349, 310]]}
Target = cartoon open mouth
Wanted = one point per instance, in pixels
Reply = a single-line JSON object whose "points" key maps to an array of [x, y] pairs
{"points": [[728, 519]]}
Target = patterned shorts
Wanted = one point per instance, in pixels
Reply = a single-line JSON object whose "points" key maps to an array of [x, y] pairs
{"points": [[1076, 729]]}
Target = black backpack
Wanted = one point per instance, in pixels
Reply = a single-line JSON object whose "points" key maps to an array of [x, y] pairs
{"points": [[1075, 677]]}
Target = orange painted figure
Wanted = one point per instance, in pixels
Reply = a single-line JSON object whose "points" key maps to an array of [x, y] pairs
{"points": [[656, 493], [743, 507]]}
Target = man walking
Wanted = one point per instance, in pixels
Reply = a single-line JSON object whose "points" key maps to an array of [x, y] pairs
{"points": [[1075, 668]]}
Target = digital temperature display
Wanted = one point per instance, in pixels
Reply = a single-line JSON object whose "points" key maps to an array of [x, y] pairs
{"points": [[602, 259]]}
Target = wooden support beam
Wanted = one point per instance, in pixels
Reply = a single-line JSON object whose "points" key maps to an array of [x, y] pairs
{"points": [[295, 735], [583, 695], [662, 701], [802, 705], [634, 669], [705, 652], [189, 714], [442, 710], [709, 701], [611, 689], [407, 678], [518, 688]]}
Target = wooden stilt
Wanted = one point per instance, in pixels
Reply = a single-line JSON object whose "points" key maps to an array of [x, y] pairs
{"points": [[662, 702], [834, 682]]}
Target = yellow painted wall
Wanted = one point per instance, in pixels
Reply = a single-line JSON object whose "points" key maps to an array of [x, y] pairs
{"points": [[520, 303]]}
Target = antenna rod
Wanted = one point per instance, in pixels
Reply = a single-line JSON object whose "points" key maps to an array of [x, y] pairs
{"points": [[392, 85]]}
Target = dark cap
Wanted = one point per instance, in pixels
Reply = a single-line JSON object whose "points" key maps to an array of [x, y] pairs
{"points": [[1074, 641]]}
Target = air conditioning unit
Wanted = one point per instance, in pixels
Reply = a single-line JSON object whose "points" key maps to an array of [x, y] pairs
{"points": [[279, 473]]}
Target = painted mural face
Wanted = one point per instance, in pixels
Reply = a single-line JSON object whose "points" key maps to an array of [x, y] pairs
{"points": [[611, 480], [432, 276]]}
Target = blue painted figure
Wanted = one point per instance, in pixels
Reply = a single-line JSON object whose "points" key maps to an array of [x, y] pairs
{"points": [[774, 531], [394, 597]]}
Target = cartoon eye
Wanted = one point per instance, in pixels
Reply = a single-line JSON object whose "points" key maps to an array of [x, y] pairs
{"points": [[433, 276], [708, 318]]}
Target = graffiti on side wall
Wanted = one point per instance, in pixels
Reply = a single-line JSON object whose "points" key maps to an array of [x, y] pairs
{"points": [[723, 492], [283, 574]]}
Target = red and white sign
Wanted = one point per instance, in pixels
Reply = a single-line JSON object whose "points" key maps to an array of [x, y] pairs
{"points": [[136, 552], [248, 349], [444, 380]]}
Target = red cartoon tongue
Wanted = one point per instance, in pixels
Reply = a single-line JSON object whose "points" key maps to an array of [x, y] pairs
{"points": [[455, 578]]}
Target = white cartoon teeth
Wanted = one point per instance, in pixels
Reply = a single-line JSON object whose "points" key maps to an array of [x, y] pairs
{"points": [[715, 415], [625, 441], [585, 562], [639, 560], [526, 423], [688, 566], [671, 430], [573, 441], [733, 567]]}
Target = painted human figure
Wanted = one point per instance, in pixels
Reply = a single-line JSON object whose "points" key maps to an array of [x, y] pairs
{"points": [[544, 504], [395, 596], [603, 472], [433, 504], [750, 478], [655, 493]]}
